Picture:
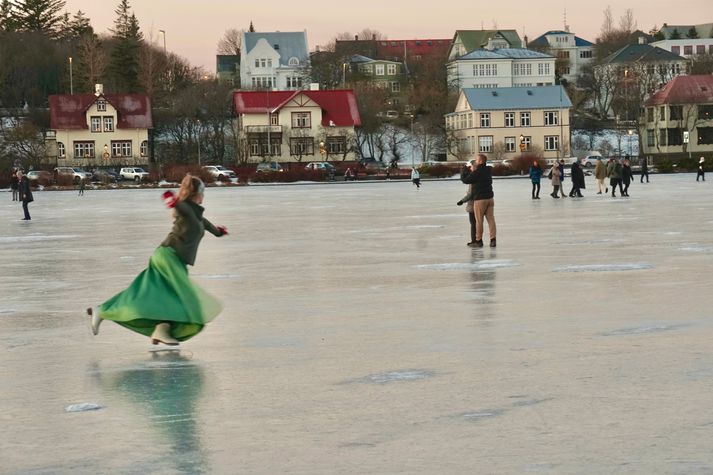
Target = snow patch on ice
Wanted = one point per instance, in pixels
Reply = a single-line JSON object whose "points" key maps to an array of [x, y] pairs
{"points": [[83, 407], [471, 266], [642, 330], [127, 258], [604, 267], [397, 376], [695, 248]]}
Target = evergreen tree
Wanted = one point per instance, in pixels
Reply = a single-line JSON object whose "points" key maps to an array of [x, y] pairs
{"points": [[252, 28], [42, 16], [675, 35], [692, 33], [124, 62], [6, 16]]}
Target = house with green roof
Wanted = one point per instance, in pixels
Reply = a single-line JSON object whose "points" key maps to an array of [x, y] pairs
{"points": [[503, 122], [465, 41]]}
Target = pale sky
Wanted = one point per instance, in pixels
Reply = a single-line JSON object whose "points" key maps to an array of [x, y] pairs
{"points": [[193, 28]]}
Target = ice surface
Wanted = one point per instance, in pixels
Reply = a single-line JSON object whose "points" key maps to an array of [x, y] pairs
{"points": [[83, 407], [361, 335]]}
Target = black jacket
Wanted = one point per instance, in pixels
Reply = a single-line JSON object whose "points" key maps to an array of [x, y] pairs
{"points": [[482, 180], [188, 230], [577, 176], [25, 190]]}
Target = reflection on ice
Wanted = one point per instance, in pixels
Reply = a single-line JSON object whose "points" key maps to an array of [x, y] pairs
{"points": [[643, 330], [396, 376], [83, 407], [36, 238], [603, 267], [471, 266]]}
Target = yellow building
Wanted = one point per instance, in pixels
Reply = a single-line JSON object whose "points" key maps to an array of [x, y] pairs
{"points": [[503, 122]]}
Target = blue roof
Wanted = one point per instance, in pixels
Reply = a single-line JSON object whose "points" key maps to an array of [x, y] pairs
{"points": [[509, 98], [582, 42], [542, 39], [505, 53], [289, 45]]}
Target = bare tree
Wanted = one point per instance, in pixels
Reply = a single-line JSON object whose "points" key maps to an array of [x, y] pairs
{"points": [[92, 60], [231, 42]]}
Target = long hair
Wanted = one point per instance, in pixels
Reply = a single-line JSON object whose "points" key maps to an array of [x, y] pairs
{"points": [[191, 186]]}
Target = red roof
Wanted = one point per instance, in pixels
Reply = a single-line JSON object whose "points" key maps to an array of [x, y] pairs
{"points": [[685, 90], [338, 106], [69, 111], [423, 48]]}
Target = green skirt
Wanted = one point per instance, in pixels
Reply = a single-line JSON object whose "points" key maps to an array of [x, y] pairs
{"points": [[163, 292]]}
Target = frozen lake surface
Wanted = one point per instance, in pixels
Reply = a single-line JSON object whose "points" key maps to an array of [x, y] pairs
{"points": [[360, 335]]}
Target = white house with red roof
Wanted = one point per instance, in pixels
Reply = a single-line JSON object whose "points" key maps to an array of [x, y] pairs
{"points": [[677, 121], [94, 130], [298, 125]]}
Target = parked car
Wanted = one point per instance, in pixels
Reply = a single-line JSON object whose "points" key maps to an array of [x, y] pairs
{"points": [[105, 176], [590, 160], [323, 166], [39, 177], [133, 173], [371, 163], [76, 173], [268, 167], [219, 172]]}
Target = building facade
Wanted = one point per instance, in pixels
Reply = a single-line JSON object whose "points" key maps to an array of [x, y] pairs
{"points": [[227, 69], [677, 121], [99, 130], [573, 51], [297, 126], [687, 47], [276, 61], [508, 67], [505, 122], [388, 76]]}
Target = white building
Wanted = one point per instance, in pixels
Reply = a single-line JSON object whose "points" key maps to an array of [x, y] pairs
{"points": [[686, 47], [564, 45], [275, 61], [506, 67]]}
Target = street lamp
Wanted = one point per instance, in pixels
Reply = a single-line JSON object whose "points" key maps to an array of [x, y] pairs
{"points": [[71, 81], [630, 132], [344, 75], [198, 135], [163, 32]]}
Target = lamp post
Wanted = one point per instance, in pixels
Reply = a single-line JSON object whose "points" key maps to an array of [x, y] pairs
{"points": [[630, 132], [344, 75], [163, 32], [71, 80], [198, 136]]}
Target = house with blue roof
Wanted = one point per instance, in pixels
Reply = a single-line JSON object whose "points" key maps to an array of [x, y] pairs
{"points": [[503, 122], [274, 61], [501, 67], [573, 52]]}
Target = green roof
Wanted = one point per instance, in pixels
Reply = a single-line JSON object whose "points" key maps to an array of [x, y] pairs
{"points": [[477, 39]]}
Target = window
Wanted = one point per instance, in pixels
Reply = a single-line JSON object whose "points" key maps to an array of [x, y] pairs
{"points": [[301, 120], [485, 119], [705, 112], [302, 146], [662, 137], [650, 138], [566, 70], [254, 147], [705, 135], [700, 49], [675, 137], [485, 70], [294, 82], [675, 112], [524, 119], [144, 148], [527, 142], [96, 124], [485, 143], [687, 50], [108, 124], [101, 105], [379, 68], [274, 119], [710, 49], [586, 54], [83, 149], [470, 120], [395, 87], [257, 62], [336, 145], [551, 117], [662, 111], [121, 148], [522, 69], [391, 69], [509, 119], [676, 50], [543, 69], [294, 61], [269, 63], [649, 114], [61, 152], [509, 144], [276, 146], [262, 82], [552, 142]]}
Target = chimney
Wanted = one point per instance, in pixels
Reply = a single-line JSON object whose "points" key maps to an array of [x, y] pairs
{"points": [[356, 37], [373, 37], [98, 89]]}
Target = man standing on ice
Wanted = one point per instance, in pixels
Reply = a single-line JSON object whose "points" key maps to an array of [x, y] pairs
{"points": [[480, 176]]}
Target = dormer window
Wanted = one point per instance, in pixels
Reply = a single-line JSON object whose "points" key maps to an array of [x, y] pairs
{"points": [[101, 105], [294, 61]]}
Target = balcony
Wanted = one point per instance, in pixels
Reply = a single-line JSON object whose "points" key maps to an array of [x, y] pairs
{"points": [[263, 129]]}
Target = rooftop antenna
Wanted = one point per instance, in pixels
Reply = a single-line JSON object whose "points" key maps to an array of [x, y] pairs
{"points": [[566, 26]]}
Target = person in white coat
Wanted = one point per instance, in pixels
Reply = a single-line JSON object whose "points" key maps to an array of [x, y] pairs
{"points": [[416, 178]]}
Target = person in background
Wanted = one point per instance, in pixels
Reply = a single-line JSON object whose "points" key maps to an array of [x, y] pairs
{"points": [[556, 182], [626, 176], [14, 185], [25, 194], [535, 176], [614, 172], [561, 167], [577, 180], [162, 302], [600, 174], [416, 178], [701, 171], [468, 198], [644, 171], [81, 187]]}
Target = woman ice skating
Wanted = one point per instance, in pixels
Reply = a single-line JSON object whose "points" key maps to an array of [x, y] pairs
{"points": [[416, 178], [555, 175], [25, 194], [535, 175], [162, 302]]}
